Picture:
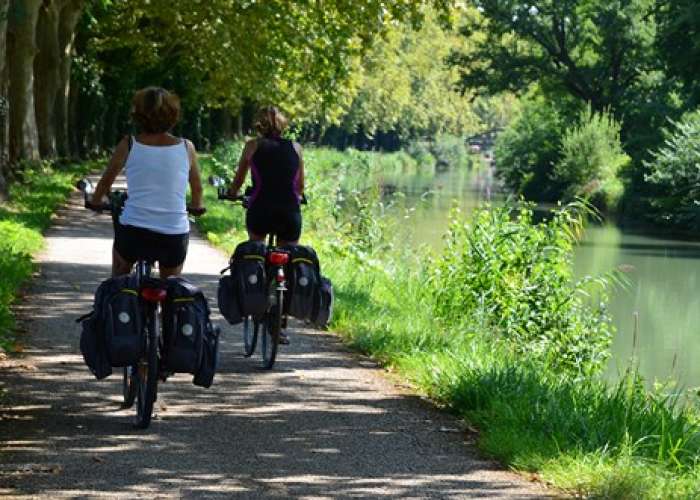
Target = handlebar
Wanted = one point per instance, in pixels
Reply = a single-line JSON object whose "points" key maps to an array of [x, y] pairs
{"points": [[85, 185], [223, 194], [221, 184]]}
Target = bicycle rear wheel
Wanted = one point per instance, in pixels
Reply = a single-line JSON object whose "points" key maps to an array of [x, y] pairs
{"points": [[250, 335], [129, 385], [272, 325], [147, 373]]}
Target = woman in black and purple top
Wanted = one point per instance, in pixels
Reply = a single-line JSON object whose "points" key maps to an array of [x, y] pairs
{"points": [[277, 169]]}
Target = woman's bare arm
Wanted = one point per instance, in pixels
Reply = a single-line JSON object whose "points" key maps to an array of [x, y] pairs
{"points": [[243, 167], [195, 178], [115, 165], [300, 179]]}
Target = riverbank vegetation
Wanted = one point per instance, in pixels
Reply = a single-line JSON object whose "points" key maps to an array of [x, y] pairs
{"points": [[35, 197], [494, 327]]}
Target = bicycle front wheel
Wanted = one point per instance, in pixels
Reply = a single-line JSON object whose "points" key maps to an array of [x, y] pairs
{"points": [[147, 373], [272, 326], [250, 335]]}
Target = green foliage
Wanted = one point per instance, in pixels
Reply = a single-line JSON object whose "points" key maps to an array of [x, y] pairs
{"points": [[592, 158], [673, 172], [588, 49], [223, 53], [451, 151], [541, 158], [405, 85], [529, 148], [515, 279], [420, 151], [678, 21], [21, 222]]}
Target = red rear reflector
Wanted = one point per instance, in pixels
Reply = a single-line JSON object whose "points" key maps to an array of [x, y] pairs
{"points": [[278, 258], [154, 294]]}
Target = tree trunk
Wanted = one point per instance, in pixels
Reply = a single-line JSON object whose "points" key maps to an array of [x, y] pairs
{"points": [[69, 17], [73, 122], [239, 124], [21, 51], [4, 4], [46, 75], [226, 124]]}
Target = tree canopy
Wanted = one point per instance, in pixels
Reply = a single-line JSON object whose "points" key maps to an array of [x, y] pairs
{"points": [[593, 50]]}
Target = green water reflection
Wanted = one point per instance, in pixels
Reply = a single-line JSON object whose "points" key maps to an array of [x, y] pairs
{"points": [[663, 274]]}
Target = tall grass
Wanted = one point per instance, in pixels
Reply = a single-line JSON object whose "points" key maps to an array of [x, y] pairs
{"points": [[34, 200], [495, 328]]}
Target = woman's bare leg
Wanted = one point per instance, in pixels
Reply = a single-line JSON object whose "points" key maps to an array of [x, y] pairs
{"points": [[256, 237], [171, 271], [119, 264]]}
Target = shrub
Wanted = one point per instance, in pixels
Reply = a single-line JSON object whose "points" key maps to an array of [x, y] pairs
{"points": [[674, 174], [591, 160], [514, 278], [451, 151], [420, 151], [527, 151]]}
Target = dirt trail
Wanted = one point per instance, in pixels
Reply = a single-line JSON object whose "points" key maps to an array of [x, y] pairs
{"points": [[324, 424]]}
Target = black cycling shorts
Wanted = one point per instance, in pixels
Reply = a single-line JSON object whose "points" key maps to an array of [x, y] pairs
{"points": [[135, 243], [283, 222]]}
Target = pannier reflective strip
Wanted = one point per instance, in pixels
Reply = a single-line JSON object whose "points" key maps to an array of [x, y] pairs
{"points": [[184, 299], [301, 259], [254, 257], [129, 290]]}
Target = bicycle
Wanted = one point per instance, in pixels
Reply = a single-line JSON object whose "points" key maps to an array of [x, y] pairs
{"points": [[140, 381], [274, 319]]}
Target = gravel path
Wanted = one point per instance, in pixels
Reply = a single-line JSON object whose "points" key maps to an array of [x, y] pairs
{"points": [[325, 423]]}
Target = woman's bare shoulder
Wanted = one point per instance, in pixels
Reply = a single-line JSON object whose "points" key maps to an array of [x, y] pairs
{"points": [[250, 146]]}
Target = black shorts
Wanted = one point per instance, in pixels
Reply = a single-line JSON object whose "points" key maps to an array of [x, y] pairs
{"points": [[284, 222], [134, 243]]}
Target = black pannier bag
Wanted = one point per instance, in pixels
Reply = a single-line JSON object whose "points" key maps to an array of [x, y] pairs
{"points": [[210, 357], [323, 304], [228, 300], [92, 345], [303, 280], [112, 334], [185, 320], [123, 323], [248, 277]]}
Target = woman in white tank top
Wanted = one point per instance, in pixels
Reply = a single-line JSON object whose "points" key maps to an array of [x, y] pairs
{"points": [[158, 168]]}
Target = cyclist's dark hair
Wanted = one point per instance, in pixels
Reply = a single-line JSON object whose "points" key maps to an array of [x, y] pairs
{"points": [[155, 110]]}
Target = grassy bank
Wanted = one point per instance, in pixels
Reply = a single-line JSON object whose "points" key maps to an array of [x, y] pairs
{"points": [[494, 328], [22, 221]]}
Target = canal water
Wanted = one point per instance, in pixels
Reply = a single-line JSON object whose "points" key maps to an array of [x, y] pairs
{"points": [[657, 316]]}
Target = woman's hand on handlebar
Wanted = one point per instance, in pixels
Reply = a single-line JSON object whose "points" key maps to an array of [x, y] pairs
{"points": [[197, 211], [97, 207]]}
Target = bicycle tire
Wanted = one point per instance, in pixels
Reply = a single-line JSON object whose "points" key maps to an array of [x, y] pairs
{"points": [[148, 373], [271, 332], [128, 386], [250, 335]]}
